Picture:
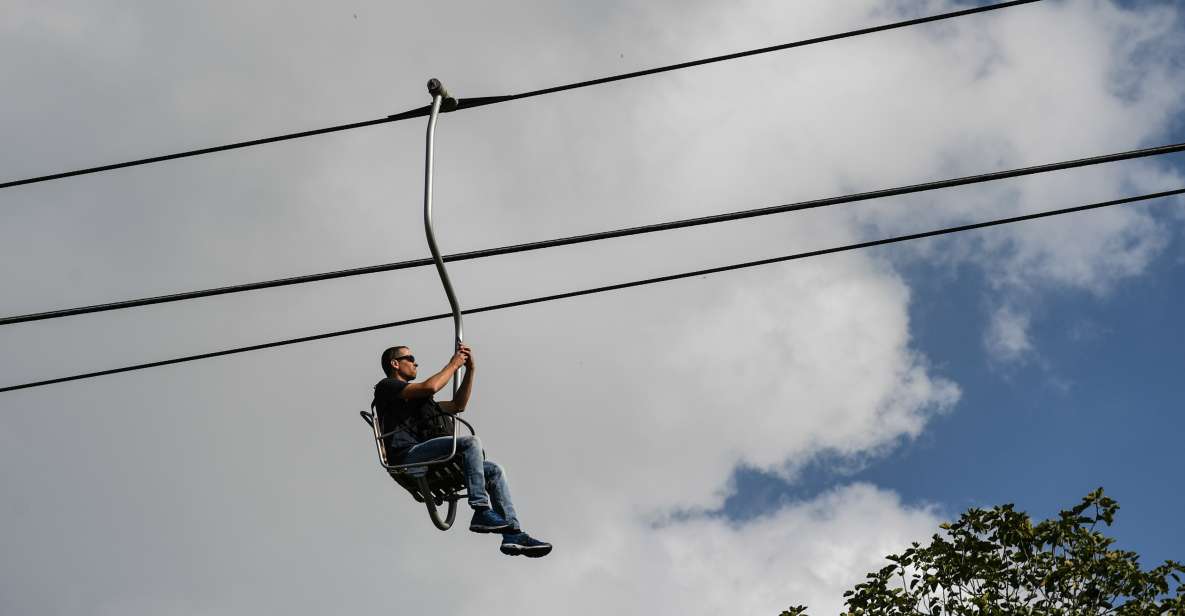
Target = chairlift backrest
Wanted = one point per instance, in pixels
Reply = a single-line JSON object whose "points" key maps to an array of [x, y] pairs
{"points": [[372, 417]]}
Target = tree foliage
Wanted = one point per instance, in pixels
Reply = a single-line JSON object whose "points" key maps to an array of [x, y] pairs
{"points": [[996, 562]]}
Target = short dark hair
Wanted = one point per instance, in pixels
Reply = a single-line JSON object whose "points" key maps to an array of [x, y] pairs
{"points": [[388, 355]]}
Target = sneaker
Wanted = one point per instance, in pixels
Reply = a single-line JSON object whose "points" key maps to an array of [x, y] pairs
{"points": [[522, 543], [488, 521]]}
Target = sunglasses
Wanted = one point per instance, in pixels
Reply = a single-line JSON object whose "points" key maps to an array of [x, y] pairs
{"points": [[411, 358]]}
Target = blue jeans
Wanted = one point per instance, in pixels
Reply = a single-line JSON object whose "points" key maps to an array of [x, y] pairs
{"points": [[484, 480]]}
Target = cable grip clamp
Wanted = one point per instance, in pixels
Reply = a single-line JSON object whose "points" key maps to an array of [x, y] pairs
{"points": [[447, 102]]}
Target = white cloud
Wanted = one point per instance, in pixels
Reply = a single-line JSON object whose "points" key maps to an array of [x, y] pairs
{"points": [[814, 358], [1102, 80], [808, 553], [805, 553], [1007, 337]]}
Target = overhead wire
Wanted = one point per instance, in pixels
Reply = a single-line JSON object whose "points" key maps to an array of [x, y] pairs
{"points": [[607, 288], [468, 103], [604, 235]]}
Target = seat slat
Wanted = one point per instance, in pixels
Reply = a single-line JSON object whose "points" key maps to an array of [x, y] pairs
{"points": [[444, 482]]}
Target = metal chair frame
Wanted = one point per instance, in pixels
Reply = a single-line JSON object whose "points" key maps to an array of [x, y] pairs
{"points": [[432, 482]]}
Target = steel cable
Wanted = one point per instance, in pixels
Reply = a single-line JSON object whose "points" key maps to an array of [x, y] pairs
{"points": [[603, 289], [604, 235], [489, 100]]}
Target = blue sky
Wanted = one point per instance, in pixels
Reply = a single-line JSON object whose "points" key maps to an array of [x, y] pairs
{"points": [[1103, 404]]}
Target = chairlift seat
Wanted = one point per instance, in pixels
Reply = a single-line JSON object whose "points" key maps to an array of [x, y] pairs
{"points": [[433, 483]]}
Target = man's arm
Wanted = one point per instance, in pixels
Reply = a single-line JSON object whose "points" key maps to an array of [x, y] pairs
{"points": [[428, 387], [458, 404]]}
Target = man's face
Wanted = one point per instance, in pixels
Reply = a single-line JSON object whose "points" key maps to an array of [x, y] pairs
{"points": [[405, 364]]}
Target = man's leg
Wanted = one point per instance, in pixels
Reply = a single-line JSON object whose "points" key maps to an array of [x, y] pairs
{"points": [[514, 542], [499, 491], [469, 450]]}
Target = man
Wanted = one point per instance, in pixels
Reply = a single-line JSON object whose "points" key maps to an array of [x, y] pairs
{"points": [[423, 431]]}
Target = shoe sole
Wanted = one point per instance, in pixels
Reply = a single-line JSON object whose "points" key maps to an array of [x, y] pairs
{"points": [[491, 529], [529, 552]]}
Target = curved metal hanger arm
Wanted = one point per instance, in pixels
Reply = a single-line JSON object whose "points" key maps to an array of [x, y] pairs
{"points": [[440, 98]]}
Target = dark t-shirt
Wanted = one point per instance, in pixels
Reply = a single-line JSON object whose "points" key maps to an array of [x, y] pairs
{"points": [[412, 421]]}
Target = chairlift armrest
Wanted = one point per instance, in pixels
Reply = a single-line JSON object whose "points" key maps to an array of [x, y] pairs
{"points": [[369, 419], [467, 425], [410, 468]]}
